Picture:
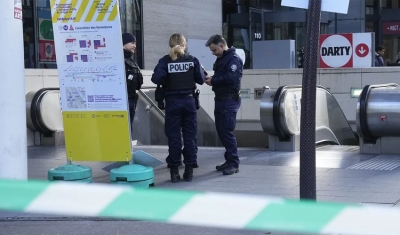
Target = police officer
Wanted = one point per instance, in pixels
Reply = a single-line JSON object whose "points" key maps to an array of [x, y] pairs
{"points": [[226, 85], [180, 72], [134, 77]]}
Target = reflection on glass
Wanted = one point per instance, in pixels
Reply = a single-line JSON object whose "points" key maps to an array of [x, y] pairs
{"points": [[46, 54], [391, 45], [39, 45], [29, 35], [256, 32], [131, 15]]}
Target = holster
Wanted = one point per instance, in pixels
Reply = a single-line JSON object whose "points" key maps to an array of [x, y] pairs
{"points": [[160, 96], [236, 96], [196, 95]]}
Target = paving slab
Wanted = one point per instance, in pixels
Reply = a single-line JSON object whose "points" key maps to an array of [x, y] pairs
{"points": [[262, 172]]}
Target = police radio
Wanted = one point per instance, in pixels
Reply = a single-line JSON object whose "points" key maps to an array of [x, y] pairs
{"points": [[197, 98], [300, 58]]}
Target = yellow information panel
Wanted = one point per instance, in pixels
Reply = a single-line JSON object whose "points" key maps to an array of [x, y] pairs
{"points": [[97, 136], [90, 63]]}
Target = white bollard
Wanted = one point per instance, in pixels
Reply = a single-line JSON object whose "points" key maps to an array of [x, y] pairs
{"points": [[13, 146]]}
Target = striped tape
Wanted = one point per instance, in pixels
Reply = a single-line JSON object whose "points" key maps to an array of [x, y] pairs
{"points": [[196, 208], [83, 10]]}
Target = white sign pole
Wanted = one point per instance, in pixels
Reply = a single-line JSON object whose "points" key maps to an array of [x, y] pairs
{"points": [[13, 150], [335, 6]]}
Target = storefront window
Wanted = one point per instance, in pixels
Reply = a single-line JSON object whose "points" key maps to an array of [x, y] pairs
{"points": [[29, 34], [46, 53], [131, 22], [390, 4], [249, 21], [39, 45]]}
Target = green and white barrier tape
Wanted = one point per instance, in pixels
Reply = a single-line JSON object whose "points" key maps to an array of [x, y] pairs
{"points": [[209, 209]]}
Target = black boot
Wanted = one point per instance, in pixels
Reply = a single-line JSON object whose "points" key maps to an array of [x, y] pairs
{"points": [[222, 167], [230, 170], [188, 174], [175, 177]]}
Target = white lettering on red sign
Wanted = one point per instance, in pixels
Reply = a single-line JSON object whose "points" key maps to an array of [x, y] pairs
{"points": [[362, 50], [17, 9], [17, 13], [394, 28], [336, 51]]}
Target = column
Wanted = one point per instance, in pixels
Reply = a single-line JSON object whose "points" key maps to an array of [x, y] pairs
{"points": [[13, 134]]}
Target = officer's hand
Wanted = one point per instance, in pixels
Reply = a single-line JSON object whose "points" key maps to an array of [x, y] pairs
{"points": [[208, 80]]}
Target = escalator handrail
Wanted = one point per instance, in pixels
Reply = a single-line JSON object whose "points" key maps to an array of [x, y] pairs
{"points": [[363, 101], [36, 118], [276, 115], [148, 87], [151, 101]]}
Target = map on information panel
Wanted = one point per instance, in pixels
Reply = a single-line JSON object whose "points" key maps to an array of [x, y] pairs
{"points": [[90, 78], [76, 97]]}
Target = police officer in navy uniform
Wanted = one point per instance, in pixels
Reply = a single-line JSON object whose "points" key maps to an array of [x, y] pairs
{"points": [[180, 72], [134, 77], [225, 83]]}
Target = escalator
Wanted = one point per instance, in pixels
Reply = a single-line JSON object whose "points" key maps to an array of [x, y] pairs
{"points": [[148, 127], [43, 111], [280, 112], [44, 116]]}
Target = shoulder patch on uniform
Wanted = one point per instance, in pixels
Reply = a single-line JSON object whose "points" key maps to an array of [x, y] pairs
{"points": [[234, 67]]}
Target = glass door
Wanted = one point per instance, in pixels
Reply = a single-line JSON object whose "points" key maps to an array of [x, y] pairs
{"points": [[256, 30], [390, 43]]}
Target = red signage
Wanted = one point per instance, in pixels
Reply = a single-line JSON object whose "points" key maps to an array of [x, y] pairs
{"points": [[17, 13], [362, 50], [17, 9], [390, 28], [345, 50], [336, 51]]}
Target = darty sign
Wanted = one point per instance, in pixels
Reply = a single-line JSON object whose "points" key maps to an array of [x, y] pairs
{"points": [[346, 50]]}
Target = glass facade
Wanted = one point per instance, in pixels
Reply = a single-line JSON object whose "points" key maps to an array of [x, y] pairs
{"points": [[38, 31], [387, 18], [246, 21]]}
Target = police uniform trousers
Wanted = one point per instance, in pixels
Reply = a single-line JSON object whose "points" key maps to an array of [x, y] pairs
{"points": [[132, 109], [180, 113], [225, 122]]}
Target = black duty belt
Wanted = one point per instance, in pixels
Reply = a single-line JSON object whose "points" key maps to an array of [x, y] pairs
{"points": [[234, 96], [179, 95]]}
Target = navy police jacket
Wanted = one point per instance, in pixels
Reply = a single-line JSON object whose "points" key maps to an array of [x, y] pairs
{"points": [[228, 71], [160, 73]]}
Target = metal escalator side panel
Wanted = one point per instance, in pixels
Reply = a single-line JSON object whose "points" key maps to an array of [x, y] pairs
{"points": [[283, 118], [361, 119], [276, 113], [206, 132], [266, 112], [364, 108], [148, 125], [290, 110], [28, 101], [324, 134], [148, 95], [382, 112], [280, 111], [35, 110], [50, 111], [329, 115]]}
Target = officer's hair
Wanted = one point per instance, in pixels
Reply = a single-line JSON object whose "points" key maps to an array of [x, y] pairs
{"points": [[216, 39], [177, 42]]}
